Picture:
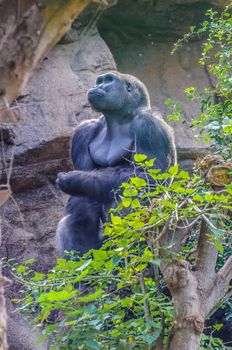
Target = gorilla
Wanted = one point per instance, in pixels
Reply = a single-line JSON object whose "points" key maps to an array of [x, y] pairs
{"points": [[102, 153]]}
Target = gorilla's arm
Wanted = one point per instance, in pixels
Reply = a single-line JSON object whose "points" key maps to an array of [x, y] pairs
{"points": [[97, 184], [154, 138]]}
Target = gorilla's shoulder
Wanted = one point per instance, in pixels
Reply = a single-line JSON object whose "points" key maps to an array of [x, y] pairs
{"points": [[150, 122], [84, 133], [154, 136], [87, 129], [89, 125]]}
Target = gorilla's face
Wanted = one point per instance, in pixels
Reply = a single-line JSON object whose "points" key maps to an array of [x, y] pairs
{"points": [[108, 94]]}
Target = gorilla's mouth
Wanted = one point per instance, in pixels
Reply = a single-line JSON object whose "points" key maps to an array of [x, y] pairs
{"points": [[96, 92]]}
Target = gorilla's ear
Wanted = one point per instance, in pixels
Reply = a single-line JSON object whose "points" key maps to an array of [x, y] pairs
{"points": [[128, 86]]}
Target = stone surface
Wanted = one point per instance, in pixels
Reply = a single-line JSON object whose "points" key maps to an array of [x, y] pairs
{"points": [[54, 101], [141, 39]]}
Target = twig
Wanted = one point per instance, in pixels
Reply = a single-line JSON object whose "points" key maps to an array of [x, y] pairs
{"points": [[226, 271], [145, 303]]}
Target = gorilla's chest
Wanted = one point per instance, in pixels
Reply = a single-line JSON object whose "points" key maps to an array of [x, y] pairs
{"points": [[110, 151]]}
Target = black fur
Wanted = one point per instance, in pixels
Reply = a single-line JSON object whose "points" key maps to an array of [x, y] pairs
{"points": [[126, 119]]}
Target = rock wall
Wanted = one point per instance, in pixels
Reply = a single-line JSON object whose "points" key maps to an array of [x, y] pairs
{"points": [[134, 36], [141, 36], [51, 106]]}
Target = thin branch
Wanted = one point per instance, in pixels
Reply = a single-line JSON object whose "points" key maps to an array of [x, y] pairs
{"points": [[173, 240], [226, 271], [145, 303], [218, 305], [220, 285], [162, 318]]}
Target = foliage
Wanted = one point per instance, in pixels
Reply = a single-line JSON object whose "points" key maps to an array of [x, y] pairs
{"points": [[211, 343], [113, 298], [215, 120]]}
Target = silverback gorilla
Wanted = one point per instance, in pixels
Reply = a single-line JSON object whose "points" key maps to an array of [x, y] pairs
{"points": [[102, 153]]}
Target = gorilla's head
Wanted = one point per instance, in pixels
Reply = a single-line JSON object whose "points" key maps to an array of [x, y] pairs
{"points": [[118, 92]]}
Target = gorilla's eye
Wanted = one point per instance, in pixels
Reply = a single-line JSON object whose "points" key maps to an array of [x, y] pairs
{"points": [[99, 81], [108, 79], [128, 86]]}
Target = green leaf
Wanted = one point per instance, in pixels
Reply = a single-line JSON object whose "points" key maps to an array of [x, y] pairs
{"points": [[38, 277], [126, 202], [116, 220], [198, 198], [173, 117], [56, 296], [116, 259], [135, 204], [155, 262], [227, 129], [90, 297], [229, 188], [173, 170], [149, 339], [130, 192], [90, 309], [183, 175], [93, 344], [218, 326], [140, 157], [138, 182], [136, 224], [70, 323], [84, 265], [209, 197], [127, 302], [149, 163], [29, 261], [190, 90], [61, 261], [21, 268], [217, 244], [168, 102], [208, 47], [213, 125], [122, 345]]}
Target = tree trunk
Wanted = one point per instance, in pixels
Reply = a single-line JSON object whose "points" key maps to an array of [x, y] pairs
{"points": [[187, 299], [28, 29], [195, 289], [185, 338]]}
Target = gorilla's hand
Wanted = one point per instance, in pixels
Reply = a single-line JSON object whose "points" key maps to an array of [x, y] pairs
{"points": [[68, 182], [96, 184]]}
